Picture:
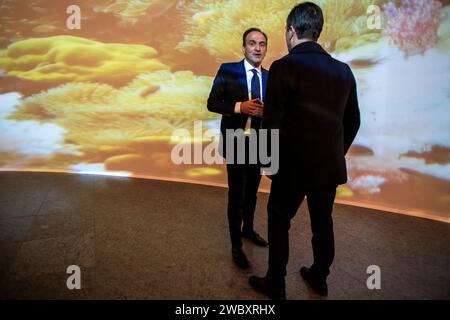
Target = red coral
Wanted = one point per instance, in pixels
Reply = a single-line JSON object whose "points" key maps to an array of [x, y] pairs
{"points": [[413, 25]]}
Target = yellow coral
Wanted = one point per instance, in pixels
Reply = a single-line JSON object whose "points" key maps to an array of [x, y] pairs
{"points": [[61, 59], [344, 19], [131, 10], [98, 115], [217, 25]]}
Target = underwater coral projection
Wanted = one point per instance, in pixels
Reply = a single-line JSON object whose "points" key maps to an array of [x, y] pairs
{"points": [[106, 98]]}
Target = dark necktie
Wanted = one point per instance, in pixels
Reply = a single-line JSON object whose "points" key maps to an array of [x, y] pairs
{"points": [[256, 88], [256, 93]]}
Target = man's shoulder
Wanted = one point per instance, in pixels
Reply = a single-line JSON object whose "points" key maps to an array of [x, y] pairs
{"points": [[342, 66], [230, 65], [339, 62], [280, 62], [290, 59]]}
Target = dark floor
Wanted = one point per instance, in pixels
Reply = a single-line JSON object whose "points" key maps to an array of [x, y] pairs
{"points": [[144, 239]]}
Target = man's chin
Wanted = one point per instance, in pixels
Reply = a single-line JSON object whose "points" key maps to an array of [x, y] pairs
{"points": [[257, 61]]}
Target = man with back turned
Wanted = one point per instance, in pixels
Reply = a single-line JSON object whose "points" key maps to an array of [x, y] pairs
{"points": [[311, 98]]}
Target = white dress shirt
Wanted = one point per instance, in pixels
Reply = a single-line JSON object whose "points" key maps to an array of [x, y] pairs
{"points": [[249, 74]]}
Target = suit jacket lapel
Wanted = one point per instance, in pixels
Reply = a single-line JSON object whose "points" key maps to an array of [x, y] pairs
{"points": [[242, 79], [264, 82]]}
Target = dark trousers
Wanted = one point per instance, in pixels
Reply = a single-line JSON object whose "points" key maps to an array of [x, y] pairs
{"points": [[284, 201], [243, 183]]}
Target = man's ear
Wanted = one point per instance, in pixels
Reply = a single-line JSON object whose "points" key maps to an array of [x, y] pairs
{"points": [[291, 28]]}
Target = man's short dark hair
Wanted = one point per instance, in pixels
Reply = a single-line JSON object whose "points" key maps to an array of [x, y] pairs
{"points": [[307, 20], [244, 36]]}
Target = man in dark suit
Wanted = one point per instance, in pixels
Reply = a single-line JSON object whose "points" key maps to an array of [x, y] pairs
{"points": [[312, 101], [238, 93]]}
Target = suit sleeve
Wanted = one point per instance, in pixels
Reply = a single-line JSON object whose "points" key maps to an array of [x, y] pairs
{"points": [[274, 105], [217, 101], [352, 119]]}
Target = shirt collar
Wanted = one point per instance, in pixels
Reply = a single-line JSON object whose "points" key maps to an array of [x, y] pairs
{"points": [[249, 67]]}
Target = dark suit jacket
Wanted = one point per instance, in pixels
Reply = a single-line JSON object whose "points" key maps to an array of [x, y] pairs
{"points": [[229, 87], [312, 99]]}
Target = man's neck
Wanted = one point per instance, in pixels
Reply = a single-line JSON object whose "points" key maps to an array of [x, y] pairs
{"points": [[257, 66], [302, 40]]}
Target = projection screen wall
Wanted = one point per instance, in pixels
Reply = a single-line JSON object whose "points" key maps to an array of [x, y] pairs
{"points": [[106, 97]]}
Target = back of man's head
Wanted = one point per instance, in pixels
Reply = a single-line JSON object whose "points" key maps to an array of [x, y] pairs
{"points": [[307, 20]]}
